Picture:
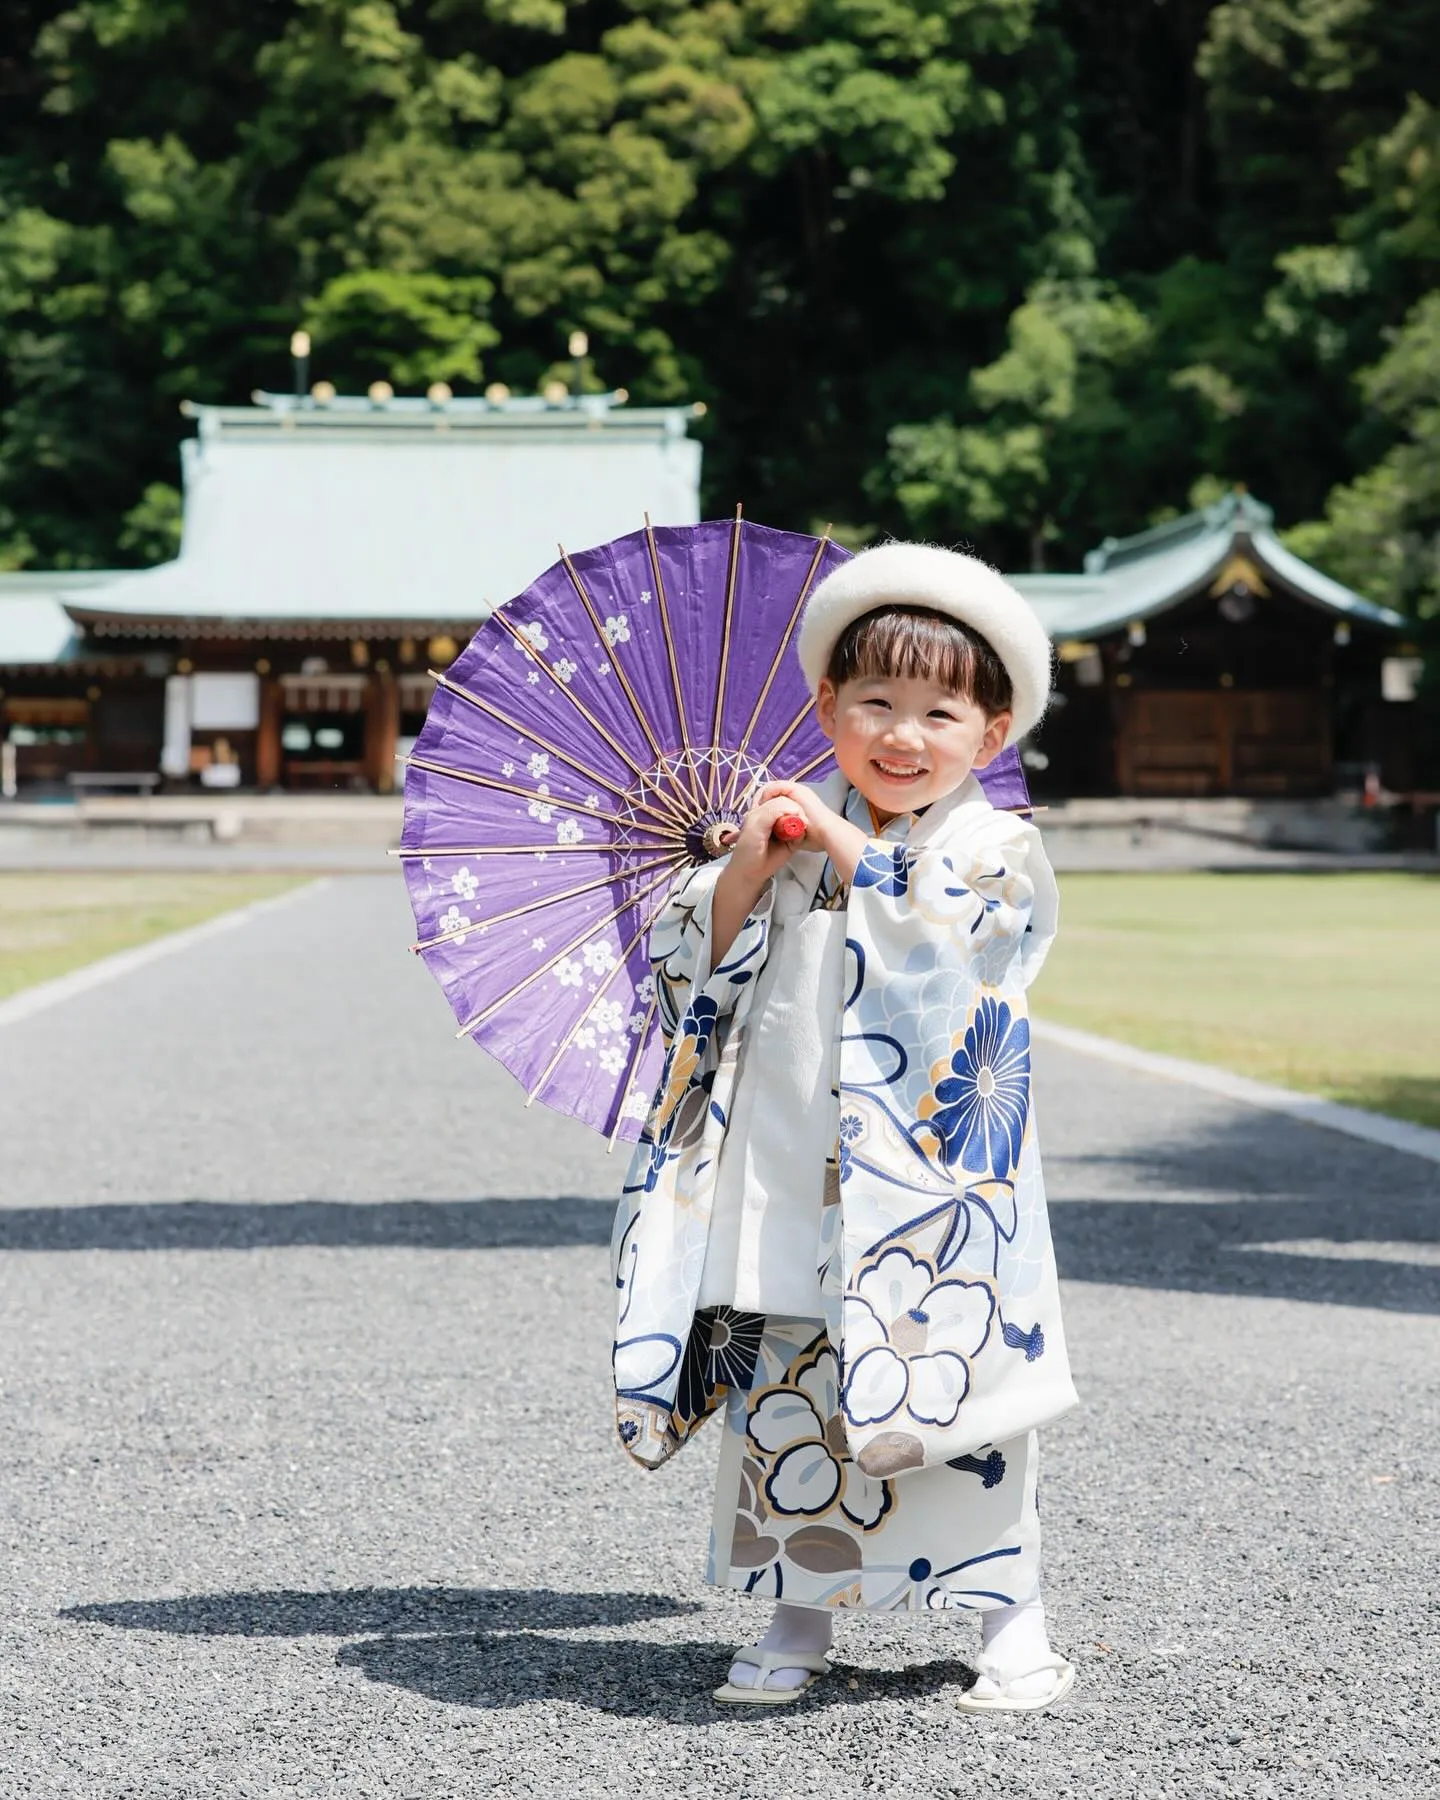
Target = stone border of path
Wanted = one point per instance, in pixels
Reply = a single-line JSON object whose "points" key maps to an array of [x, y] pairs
{"points": [[1354, 1121], [46, 994]]}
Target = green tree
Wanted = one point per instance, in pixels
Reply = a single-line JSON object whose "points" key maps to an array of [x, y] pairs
{"points": [[813, 213], [1051, 410]]}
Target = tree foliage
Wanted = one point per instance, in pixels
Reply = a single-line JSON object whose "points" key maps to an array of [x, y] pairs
{"points": [[1013, 272]]}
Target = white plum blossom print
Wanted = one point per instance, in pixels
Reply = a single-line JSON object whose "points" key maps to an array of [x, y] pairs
{"points": [[564, 669], [802, 1474], [464, 883], [539, 764], [454, 920], [602, 668], [609, 1015], [533, 678], [637, 1104], [592, 801], [537, 943], [568, 972], [540, 809], [645, 989], [612, 1060], [569, 831], [507, 769], [637, 1023], [645, 597], [911, 1336], [534, 635], [617, 630], [599, 956], [585, 1038]]}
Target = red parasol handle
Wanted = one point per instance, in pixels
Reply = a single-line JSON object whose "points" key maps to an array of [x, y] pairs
{"points": [[789, 828]]}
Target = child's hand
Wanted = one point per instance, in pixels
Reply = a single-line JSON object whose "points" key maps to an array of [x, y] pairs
{"points": [[825, 829], [754, 856], [757, 852], [820, 820]]}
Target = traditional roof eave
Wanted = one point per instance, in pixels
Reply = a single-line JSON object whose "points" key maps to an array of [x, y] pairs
{"points": [[1320, 588], [179, 627], [34, 627], [1128, 580]]}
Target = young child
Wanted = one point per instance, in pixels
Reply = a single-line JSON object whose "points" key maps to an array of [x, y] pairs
{"points": [[835, 1224]]}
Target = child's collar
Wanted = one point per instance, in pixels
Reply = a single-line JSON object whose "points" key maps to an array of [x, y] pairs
{"points": [[926, 821]]}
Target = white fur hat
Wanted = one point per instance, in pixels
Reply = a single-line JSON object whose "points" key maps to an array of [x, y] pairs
{"points": [[945, 581]]}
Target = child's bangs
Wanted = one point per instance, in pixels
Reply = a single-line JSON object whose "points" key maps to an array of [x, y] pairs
{"points": [[910, 643]]}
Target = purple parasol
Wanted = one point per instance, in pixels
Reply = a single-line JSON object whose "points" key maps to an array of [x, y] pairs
{"points": [[583, 752]]}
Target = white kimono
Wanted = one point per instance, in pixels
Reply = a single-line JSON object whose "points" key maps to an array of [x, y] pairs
{"points": [[936, 1272]]}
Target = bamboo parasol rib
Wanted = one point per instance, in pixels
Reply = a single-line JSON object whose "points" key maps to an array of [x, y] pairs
{"points": [[559, 957], [674, 863], [779, 656], [686, 741], [522, 793], [616, 662], [731, 573], [577, 1023], [637, 1051], [527, 732]]}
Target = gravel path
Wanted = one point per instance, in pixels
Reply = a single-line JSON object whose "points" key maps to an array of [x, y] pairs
{"points": [[309, 1487]]}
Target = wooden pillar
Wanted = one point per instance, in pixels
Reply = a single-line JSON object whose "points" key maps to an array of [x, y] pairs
{"points": [[1227, 721], [382, 730], [267, 737], [1122, 717]]}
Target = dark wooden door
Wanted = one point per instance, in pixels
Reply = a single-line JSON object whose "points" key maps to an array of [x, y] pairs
{"points": [[1223, 741]]}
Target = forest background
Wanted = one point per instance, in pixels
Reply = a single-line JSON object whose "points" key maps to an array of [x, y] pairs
{"points": [[1019, 273]]}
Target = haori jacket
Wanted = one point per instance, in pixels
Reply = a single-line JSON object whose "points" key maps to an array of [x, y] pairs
{"points": [[936, 1263]]}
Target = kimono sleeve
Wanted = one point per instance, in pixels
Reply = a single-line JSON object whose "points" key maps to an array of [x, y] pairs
{"points": [[682, 949], [987, 900]]}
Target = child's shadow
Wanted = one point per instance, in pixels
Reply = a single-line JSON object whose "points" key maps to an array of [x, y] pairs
{"points": [[495, 1647], [624, 1677]]}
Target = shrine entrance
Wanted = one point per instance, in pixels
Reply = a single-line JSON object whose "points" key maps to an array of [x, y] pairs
{"points": [[1258, 743]]}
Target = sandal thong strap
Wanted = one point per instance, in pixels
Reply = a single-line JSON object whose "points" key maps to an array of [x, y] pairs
{"points": [[1048, 1665], [766, 1662]]}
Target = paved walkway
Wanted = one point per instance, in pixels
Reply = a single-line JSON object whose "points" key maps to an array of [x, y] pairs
{"points": [[309, 1488]]}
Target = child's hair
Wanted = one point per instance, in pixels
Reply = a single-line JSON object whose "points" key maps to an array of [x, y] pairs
{"points": [[915, 643]]}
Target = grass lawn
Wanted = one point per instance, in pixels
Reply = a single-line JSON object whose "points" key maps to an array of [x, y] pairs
{"points": [[50, 924], [1328, 983]]}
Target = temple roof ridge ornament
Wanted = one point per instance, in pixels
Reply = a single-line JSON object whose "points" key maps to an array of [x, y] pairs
{"points": [[556, 414]]}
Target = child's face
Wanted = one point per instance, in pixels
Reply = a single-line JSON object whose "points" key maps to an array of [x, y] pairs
{"points": [[905, 741]]}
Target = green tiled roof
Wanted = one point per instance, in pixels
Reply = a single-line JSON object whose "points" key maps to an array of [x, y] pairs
{"points": [[389, 523], [1140, 576]]}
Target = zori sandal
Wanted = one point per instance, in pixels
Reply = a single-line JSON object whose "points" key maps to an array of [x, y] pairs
{"points": [[993, 1693], [764, 1663]]}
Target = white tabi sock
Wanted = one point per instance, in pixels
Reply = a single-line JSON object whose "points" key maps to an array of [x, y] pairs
{"points": [[804, 1629], [1016, 1645]]}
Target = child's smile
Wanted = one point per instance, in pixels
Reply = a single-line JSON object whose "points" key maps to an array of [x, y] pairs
{"points": [[903, 741]]}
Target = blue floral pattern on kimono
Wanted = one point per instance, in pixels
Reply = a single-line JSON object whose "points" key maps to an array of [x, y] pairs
{"points": [[937, 1267]]}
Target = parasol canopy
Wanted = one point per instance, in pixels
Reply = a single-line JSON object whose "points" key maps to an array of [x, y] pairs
{"points": [[594, 741]]}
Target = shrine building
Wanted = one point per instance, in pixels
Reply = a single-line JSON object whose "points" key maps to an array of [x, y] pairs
{"points": [[1204, 658], [332, 551], [335, 549]]}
